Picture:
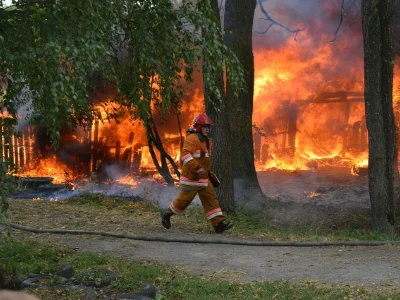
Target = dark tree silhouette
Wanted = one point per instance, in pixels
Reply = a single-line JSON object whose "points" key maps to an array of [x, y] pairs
{"points": [[238, 27], [222, 160], [378, 33]]}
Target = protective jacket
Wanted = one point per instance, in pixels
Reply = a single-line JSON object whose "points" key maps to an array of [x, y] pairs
{"points": [[195, 154]]}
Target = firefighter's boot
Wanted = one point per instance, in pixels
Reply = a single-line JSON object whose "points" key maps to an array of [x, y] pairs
{"points": [[166, 218], [221, 227]]}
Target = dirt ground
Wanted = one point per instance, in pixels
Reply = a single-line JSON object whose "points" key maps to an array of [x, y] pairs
{"points": [[370, 267], [376, 267]]}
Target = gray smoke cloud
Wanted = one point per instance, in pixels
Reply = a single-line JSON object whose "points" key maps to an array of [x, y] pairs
{"points": [[317, 18]]}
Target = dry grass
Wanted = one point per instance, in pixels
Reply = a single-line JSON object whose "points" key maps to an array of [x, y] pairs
{"points": [[107, 215], [64, 215], [142, 218]]}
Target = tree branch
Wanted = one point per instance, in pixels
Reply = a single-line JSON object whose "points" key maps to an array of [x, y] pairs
{"points": [[341, 21], [221, 7], [273, 22]]}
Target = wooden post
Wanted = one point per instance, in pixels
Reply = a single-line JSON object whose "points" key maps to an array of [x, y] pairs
{"points": [[22, 157], [28, 145], [264, 153], [130, 141], [137, 157], [257, 145], [11, 152], [16, 160], [21, 151], [2, 150], [345, 134], [283, 140], [118, 150], [292, 126], [86, 162], [131, 136], [95, 144], [5, 145]]}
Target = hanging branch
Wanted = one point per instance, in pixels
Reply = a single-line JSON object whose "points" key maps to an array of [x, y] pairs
{"points": [[180, 132], [164, 154], [159, 145], [273, 22], [221, 9], [153, 140], [341, 20]]}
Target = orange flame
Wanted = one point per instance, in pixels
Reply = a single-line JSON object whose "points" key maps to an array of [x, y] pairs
{"points": [[51, 167], [304, 122]]}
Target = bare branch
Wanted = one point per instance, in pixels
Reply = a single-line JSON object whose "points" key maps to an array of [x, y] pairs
{"points": [[221, 5], [266, 30], [221, 9], [273, 22], [341, 21]]}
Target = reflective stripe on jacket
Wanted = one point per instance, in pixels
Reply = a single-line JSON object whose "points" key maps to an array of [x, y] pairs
{"points": [[194, 156]]}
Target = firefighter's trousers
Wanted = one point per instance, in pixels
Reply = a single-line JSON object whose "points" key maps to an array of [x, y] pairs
{"points": [[208, 198]]}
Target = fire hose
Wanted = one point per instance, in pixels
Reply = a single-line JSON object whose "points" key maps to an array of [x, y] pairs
{"points": [[209, 241]]}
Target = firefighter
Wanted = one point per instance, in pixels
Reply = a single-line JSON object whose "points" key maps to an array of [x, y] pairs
{"points": [[196, 162]]}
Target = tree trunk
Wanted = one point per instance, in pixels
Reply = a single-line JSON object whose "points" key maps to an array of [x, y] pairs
{"points": [[221, 156], [397, 28], [378, 25], [238, 27], [397, 114]]}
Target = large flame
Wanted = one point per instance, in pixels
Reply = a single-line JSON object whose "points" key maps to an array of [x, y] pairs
{"points": [[50, 167], [308, 93], [309, 98]]}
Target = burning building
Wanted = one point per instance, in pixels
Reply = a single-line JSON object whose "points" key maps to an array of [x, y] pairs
{"points": [[308, 93], [309, 87]]}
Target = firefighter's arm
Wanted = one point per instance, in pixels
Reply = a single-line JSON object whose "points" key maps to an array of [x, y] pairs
{"points": [[189, 147]]}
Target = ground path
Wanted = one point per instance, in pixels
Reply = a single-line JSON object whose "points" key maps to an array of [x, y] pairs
{"points": [[377, 266]]}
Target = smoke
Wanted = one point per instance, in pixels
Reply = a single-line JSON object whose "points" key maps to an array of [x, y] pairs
{"points": [[319, 18], [23, 115], [312, 61], [294, 67], [192, 105], [145, 189]]}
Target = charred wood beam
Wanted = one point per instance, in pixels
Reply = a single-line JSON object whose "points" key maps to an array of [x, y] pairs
{"points": [[118, 150], [22, 157], [257, 146], [130, 150], [137, 158], [324, 101], [16, 158], [2, 150], [94, 145], [28, 144], [131, 137], [292, 125], [11, 152]]}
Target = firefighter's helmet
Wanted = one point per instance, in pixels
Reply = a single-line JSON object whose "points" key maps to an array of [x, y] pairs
{"points": [[201, 120]]}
